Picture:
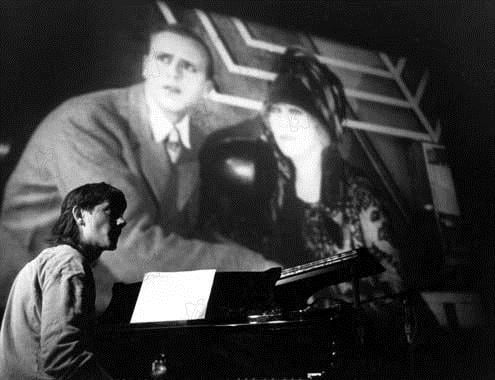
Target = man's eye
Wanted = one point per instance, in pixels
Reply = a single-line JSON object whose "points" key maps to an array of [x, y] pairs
{"points": [[164, 58]]}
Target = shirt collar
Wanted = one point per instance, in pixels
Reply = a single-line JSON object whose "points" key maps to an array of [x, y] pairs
{"points": [[161, 126]]}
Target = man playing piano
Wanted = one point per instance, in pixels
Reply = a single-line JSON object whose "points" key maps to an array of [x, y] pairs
{"points": [[47, 326]]}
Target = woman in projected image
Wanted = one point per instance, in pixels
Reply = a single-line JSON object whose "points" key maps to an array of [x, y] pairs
{"points": [[323, 206], [292, 196]]}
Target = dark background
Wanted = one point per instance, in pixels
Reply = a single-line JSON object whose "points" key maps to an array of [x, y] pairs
{"points": [[52, 50]]}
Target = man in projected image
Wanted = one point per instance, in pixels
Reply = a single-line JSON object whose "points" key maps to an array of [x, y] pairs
{"points": [[141, 140], [47, 328]]}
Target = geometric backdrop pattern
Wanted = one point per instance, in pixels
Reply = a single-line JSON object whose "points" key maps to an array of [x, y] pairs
{"points": [[391, 97], [386, 87]]}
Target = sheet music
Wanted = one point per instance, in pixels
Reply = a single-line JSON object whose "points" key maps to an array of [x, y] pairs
{"points": [[173, 296]]}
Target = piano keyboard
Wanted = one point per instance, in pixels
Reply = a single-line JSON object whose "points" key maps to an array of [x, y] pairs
{"points": [[317, 267], [322, 263]]}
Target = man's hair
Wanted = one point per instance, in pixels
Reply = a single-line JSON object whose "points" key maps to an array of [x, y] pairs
{"points": [[65, 230], [183, 31]]}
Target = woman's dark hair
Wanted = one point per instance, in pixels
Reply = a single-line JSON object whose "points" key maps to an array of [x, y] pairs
{"points": [[304, 81], [65, 230], [160, 27]]}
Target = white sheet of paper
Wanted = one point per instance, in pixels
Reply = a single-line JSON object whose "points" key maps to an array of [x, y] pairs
{"points": [[173, 296]]}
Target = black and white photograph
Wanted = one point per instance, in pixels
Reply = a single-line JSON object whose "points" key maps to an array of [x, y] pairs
{"points": [[205, 189]]}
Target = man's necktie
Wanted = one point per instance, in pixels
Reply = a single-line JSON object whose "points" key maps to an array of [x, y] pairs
{"points": [[174, 145]]}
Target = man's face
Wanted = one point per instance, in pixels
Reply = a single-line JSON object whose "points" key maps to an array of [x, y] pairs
{"points": [[175, 72], [101, 227]]}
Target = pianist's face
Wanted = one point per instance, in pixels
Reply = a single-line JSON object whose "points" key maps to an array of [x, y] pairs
{"points": [[100, 227]]}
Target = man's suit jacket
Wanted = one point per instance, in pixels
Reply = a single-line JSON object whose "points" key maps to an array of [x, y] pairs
{"points": [[105, 136]]}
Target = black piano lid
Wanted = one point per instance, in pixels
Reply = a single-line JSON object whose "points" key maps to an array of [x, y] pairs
{"points": [[297, 284], [233, 296]]}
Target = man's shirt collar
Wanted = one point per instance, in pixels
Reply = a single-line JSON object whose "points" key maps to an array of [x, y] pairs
{"points": [[161, 126]]}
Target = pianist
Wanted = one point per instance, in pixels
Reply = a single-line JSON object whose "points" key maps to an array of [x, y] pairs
{"points": [[47, 326]]}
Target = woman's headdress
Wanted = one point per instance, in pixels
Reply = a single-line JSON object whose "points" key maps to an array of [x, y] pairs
{"points": [[304, 81]]}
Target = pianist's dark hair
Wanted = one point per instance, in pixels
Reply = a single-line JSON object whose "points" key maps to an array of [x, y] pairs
{"points": [[88, 196], [181, 30]]}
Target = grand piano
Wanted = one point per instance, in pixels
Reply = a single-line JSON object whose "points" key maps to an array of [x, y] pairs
{"points": [[279, 336]]}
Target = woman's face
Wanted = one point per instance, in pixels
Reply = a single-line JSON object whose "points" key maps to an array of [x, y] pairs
{"points": [[296, 131]]}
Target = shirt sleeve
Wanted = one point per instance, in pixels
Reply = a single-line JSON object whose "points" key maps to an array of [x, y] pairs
{"points": [[66, 324]]}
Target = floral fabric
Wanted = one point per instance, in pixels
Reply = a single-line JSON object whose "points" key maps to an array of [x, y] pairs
{"points": [[350, 215]]}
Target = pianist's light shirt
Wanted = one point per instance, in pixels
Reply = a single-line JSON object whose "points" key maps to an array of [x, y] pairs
{"points": [[49, 319]]}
